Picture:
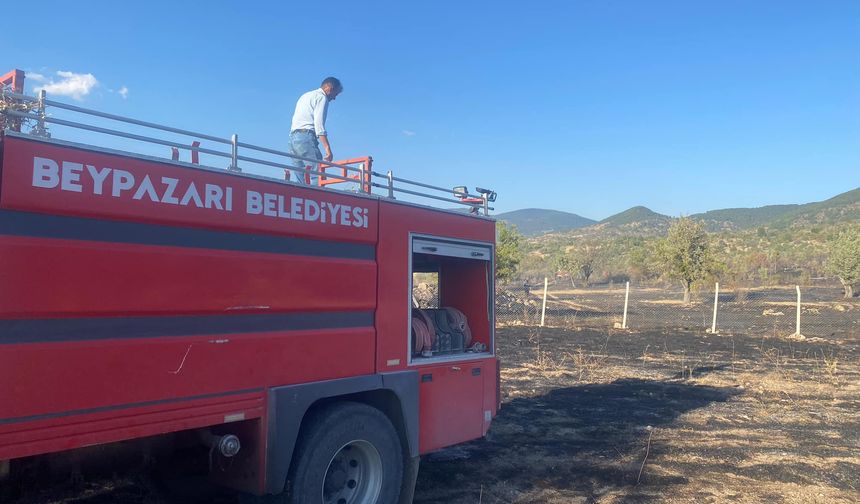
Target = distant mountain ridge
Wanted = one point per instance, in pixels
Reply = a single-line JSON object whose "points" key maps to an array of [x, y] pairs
{"points": [[643, 221], [538, 221], [633, 215], [743, 218], [845, 206]]}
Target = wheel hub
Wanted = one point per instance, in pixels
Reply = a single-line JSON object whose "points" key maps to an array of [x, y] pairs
{"points": [[354, 475]]}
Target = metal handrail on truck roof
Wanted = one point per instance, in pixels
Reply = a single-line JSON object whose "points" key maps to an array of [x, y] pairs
{"points": [[34, 109]]}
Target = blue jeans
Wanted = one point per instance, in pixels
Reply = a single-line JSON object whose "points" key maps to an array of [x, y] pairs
{"points": [[306, 145]]}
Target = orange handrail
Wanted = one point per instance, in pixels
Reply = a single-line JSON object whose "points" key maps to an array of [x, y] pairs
{"points": [[367, 161], [14, 79]]}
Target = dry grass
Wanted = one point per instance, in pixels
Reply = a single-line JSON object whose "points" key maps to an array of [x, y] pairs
{"points": [[612, 417]]}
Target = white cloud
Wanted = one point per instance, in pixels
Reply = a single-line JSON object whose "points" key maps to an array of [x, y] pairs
{"points": [[71, 84], [408, 133], [35, 77], [123, 91]]}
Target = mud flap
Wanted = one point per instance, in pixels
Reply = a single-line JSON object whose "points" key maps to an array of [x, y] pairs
{"points": [[410, 477]]}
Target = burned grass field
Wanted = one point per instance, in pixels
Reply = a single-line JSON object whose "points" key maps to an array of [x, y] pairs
{"points": [[609, 416], [616, 416], [754, 311]]}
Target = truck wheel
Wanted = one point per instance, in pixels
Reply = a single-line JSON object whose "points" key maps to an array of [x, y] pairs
{"points": [[349, 454]]}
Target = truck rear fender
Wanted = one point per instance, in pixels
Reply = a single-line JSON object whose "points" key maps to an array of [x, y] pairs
{"points": [[395, 394]]}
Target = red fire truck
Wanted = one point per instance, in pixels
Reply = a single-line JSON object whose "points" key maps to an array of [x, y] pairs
{"points": [[149, 298]]}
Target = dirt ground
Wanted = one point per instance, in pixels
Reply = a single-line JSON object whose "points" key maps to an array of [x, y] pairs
{"points": [[610, 416]]}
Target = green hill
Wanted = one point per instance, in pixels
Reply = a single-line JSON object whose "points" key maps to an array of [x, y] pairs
{"points": [[845, 206], [637, 214], [771, 245], [840, 208], [641, 221], [743, 218], [537, 221]]}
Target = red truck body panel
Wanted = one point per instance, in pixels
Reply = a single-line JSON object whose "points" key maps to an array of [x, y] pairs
{"points": [[442, 425], [141, 297]]}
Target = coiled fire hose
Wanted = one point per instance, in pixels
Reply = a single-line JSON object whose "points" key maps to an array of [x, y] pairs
{"points": [[424, 332], [459, 322]]}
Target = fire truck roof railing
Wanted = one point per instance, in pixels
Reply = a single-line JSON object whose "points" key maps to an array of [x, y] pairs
{"points": [[21, 109]]}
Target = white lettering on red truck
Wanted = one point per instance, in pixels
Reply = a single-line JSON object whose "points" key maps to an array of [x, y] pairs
{"points": [[80, 178], [276, 205]]}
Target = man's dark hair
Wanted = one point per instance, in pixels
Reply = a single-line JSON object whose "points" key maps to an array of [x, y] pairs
{"points": [[334, 81]]}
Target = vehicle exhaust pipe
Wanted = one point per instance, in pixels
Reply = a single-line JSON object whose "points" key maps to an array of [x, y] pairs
{"points": [[227, 445]]}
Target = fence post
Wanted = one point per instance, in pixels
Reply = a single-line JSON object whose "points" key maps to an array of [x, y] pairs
{"points": [[716, 303], [543, 309], [626, 297], [797, 325]]}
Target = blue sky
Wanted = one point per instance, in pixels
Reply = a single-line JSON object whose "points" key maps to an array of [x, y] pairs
{"points": [[584, 106]]}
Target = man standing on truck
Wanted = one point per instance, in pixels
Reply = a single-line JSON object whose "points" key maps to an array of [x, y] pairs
{"points": [[308, 128]]}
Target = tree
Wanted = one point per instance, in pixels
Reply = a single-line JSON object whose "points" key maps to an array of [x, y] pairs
{"points": [[844, 260], [684, 253], [508, 251], [563, 264], [577, 263], [640, 262], [583, 262]]}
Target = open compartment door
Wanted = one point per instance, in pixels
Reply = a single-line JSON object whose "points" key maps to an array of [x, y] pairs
{"points": [[452, 299], [451, 335]]}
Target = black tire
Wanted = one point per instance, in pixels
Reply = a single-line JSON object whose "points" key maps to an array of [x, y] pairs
{"points": [[348, 453]]}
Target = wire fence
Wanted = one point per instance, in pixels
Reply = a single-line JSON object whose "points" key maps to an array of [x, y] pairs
{"points": [[772, 311]]}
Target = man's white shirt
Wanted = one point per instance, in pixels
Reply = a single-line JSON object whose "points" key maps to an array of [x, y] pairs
{"points": [[311, 110]]}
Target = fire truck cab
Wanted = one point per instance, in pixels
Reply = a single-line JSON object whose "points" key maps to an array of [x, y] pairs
{"points": [[318, 340]]}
